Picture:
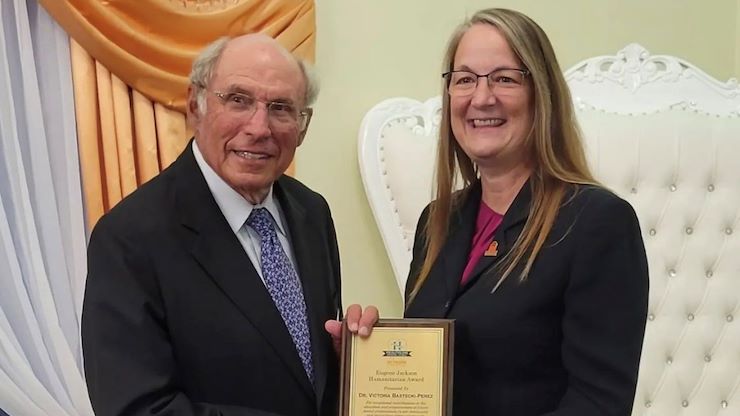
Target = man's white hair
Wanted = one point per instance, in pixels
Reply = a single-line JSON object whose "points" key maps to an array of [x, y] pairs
{"points": [[205, 63]]}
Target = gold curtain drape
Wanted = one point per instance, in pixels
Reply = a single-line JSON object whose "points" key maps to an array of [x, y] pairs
{"points": [[130, 66]]}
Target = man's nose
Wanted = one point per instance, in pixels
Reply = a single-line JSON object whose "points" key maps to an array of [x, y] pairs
{"points": [[258, 124]]}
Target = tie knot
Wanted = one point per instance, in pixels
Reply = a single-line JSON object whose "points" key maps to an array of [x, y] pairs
{"points": [[261, 221]]}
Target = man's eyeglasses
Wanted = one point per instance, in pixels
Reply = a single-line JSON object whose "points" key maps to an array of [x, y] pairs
{"points": [[281, 115], [463, 83]]}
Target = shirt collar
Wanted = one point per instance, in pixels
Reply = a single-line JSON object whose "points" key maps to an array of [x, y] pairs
{"points": [[233, 206]]}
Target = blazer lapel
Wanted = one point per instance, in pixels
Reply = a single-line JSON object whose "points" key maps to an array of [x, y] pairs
{"points": [[457, 247], [506, 233], [218, 251], [309, 252]]}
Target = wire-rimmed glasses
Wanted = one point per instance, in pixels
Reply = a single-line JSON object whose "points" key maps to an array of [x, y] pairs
{"points": [[461, 83], [281, 115]]}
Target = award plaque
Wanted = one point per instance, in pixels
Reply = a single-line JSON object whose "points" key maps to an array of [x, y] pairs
{"points": [[403, 368]]}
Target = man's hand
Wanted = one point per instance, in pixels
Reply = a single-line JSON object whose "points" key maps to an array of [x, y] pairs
{"points": [[358, 322]]}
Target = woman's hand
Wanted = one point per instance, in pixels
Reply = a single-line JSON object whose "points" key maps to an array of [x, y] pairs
{"points": [[358, 321]]}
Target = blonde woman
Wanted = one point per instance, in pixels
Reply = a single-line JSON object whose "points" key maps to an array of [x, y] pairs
{"points": [[543, 269]]}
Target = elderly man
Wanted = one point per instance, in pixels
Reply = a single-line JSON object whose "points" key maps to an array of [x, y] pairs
{"points": [[209, 288]]}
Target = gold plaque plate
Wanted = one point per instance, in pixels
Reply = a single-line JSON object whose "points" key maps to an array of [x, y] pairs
{"points": [[403, 368]]}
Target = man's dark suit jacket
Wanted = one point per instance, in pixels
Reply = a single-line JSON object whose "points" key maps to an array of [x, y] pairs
{"points": [[176, 320], [564, 342]]}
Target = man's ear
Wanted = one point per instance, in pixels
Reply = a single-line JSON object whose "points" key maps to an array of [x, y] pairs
{"points": [[192, 110], [302, 134]]}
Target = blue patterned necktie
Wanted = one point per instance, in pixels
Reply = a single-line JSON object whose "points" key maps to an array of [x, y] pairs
{"points": [[281, 281]]}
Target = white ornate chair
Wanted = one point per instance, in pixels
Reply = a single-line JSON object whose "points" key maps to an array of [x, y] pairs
{"points": [[665, 136]]}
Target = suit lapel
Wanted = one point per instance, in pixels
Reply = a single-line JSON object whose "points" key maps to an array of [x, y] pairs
{"points": [[457, 247], [218, 251], [309, 250], [485, 263], [506, 233]]}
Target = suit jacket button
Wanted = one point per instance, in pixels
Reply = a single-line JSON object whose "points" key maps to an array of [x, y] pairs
{"points": [[447, 304]]}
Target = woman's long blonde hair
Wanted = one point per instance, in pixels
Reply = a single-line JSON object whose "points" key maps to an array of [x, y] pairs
{"points": [[554, 144]]}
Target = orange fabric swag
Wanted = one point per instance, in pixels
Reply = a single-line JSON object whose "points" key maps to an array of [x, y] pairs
{"points": [[150, 44]]}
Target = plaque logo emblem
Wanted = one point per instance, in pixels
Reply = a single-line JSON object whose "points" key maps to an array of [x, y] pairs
{"points": [[397, 349]]}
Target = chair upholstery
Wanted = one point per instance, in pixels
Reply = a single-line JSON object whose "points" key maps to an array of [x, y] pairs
{"points": [[663, 135]]}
